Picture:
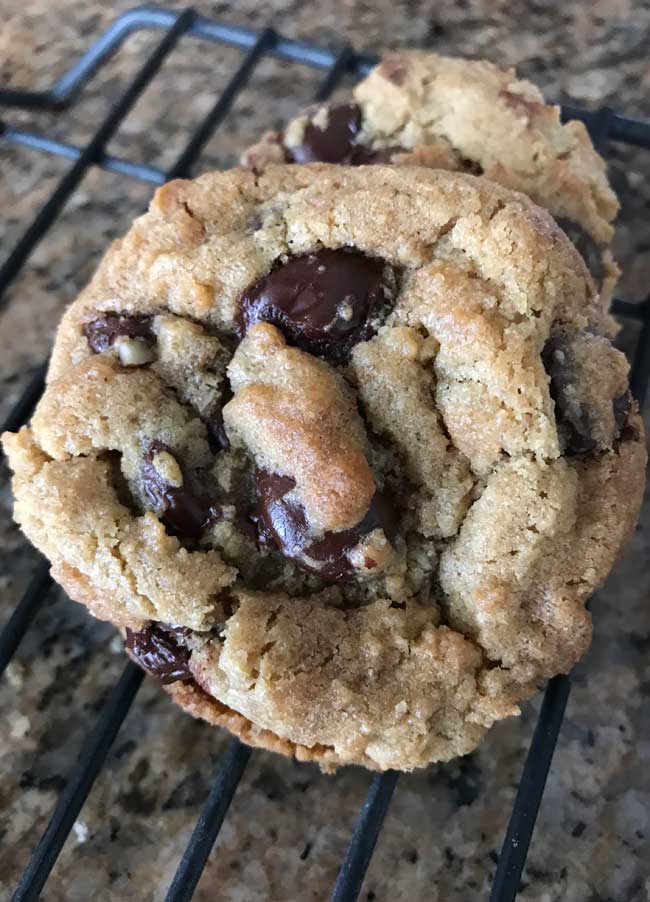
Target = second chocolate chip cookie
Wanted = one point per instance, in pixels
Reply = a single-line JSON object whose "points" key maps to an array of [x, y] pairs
{"points": [[423, 109]]}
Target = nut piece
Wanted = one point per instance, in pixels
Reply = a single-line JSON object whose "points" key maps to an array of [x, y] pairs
{"points": [[133, 352], [294, 134], [373, 553], [168, 468]]}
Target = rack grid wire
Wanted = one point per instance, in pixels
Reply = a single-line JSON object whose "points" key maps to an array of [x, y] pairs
{"points": [[604, 125]]}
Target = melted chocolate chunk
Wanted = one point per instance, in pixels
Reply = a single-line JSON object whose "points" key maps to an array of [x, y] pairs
{"points": [[573, 419], [323, 302], [336, 143], [586, 247], [101, 333], [333, 143], [183, 512], [282, 522], [157, 650], [576, 418], [278, 520]]}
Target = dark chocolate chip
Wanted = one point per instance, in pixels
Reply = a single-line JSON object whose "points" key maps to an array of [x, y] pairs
{"points": [[279, 520], [283, 522], [102, 332], [333, 143], [157, 650], [586, 247], [573, 418], [576, 417], [324, 302], [183, 512], [336, 143]]}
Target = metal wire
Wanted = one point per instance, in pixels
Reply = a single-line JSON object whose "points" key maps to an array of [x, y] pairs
{"points": [[621, 128], [366, 830], [629, 309], [530, 791], [94, 149], [66, 89], [640, 374], [342, 64], [105, 161], [219, 111], [188, 874], [25, 611], [78, 786], [22, 409], [603, 124]]}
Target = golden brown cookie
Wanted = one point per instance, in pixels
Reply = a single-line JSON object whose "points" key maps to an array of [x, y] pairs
{"points": [[418, 108], [342, 451]]}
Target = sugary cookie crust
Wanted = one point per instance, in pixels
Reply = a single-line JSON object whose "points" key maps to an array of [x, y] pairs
{"points": [[503, 530], [281, 391], [419, 108]]}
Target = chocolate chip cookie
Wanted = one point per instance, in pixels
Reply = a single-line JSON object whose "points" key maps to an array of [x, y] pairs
{"points": [[422, 109], [342, 451]]}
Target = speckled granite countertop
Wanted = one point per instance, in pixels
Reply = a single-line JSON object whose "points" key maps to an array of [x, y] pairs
{"points": [[288, 826]]}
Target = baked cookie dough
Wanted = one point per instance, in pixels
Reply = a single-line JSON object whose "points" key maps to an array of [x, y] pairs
{"points": [[342, 451], [418, 108]]}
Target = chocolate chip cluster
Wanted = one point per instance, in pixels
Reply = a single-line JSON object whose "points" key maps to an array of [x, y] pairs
{"points": [[323, 303]]}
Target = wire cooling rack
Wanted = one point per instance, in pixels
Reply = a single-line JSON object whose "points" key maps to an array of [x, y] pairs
{"points": [[604, 125]]}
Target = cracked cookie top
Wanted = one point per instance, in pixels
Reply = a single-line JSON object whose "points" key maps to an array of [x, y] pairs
{"points": [[342, 450], [419, 108]]}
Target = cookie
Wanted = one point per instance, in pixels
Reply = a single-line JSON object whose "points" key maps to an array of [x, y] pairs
{"points": [[342, 452], [418, 108]]}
